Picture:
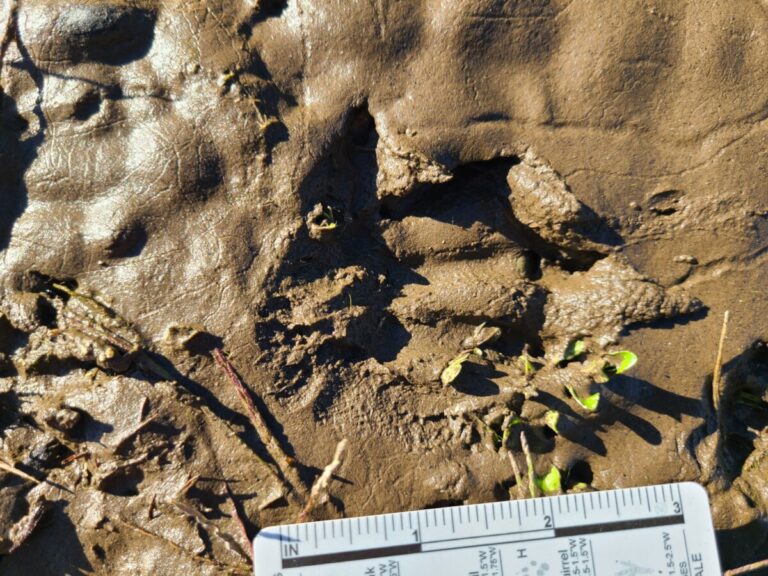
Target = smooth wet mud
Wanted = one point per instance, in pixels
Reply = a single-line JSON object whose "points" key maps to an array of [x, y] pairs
{"points": [[422, 227]]}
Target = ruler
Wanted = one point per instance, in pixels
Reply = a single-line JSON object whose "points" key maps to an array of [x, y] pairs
{"points": [[655, 530]]}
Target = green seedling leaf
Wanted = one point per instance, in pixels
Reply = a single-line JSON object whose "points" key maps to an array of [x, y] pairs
{"points": [[510, 421], [589, 403], [328, 221], [579, 487], [619, 362], [452, 371], [481, 336], [498, 441], [551, 418], [752, 400], [528, 367], [574, 350], [551, 483]]}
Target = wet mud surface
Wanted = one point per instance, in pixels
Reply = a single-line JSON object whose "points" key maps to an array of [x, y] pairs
{"points": [[349, 198]]}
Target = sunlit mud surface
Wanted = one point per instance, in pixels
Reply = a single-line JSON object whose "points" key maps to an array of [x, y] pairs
{"points": [[350, 198]]}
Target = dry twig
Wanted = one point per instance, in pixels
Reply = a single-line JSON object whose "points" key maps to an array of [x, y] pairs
{"points": [[760, 564], [239, 520], [518, 475], [16, 472], [716, 375], [23, 528], [529, 463], [184, 551], [289, 477], [319, 493]]}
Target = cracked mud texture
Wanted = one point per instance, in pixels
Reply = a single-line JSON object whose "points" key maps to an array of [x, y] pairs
{"points": [[338, 193]]}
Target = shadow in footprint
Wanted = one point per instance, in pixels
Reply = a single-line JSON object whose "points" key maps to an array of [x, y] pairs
{"points": [[477, 380], [651, 397], [53, 549], [573, 426]]}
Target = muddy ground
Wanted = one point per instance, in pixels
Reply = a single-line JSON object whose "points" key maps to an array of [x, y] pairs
{"points": [[338, 194]]}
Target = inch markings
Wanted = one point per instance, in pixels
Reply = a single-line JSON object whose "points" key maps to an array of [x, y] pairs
{"points": [[662, 525]]}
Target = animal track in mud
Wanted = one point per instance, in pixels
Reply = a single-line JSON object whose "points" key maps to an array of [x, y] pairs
{"points": [[406, 272]]}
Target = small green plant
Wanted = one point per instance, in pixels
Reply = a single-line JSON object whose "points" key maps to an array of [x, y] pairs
{"points": [[619, 362], [510, 421], [574, 349], [529, 368], [452, 371], [601, 370], [497, 440], [327, 220], [551, 419], [588, 403], [751, 400], [551, 483], [481, 336]]}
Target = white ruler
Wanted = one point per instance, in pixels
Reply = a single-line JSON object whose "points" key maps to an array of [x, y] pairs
{"points": [[663, 530]]}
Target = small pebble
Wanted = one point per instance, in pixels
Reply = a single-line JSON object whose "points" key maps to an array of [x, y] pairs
{"points": [[64, 419], [685, 259]]}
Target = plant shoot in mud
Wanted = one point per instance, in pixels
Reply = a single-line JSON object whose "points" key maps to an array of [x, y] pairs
{"points": [[550, 484], [327, 219], [481, 336], [601, 370]]}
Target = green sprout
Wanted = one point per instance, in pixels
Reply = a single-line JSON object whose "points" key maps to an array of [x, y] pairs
{"points": [[588, 403], [452, 371], [551, 418], [529, 368], [752, 400], [482, 335], [619, 362], [551, 483], [327, 219], [574, 350], [510, 421], [497, 440]]}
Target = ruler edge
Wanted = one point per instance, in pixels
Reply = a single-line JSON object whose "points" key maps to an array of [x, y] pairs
{"points": [[694, 487]]}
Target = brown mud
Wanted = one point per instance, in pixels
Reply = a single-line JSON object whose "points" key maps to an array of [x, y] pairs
{"points": [[338, 194]]}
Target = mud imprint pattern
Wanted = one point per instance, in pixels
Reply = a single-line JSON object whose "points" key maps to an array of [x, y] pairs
{"points": [[338, 194]]}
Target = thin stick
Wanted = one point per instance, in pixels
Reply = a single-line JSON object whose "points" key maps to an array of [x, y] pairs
{"points": [[716, 375], [320, 487], [188, 485], [16, 472], [748, 568], [24, 528], [183, 550], [71, 458], [529, 463], [239, 520], [518, 475], [290, 478]]}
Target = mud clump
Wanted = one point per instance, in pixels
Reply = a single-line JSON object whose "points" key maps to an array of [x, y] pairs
{"points": [[347, 202]]}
